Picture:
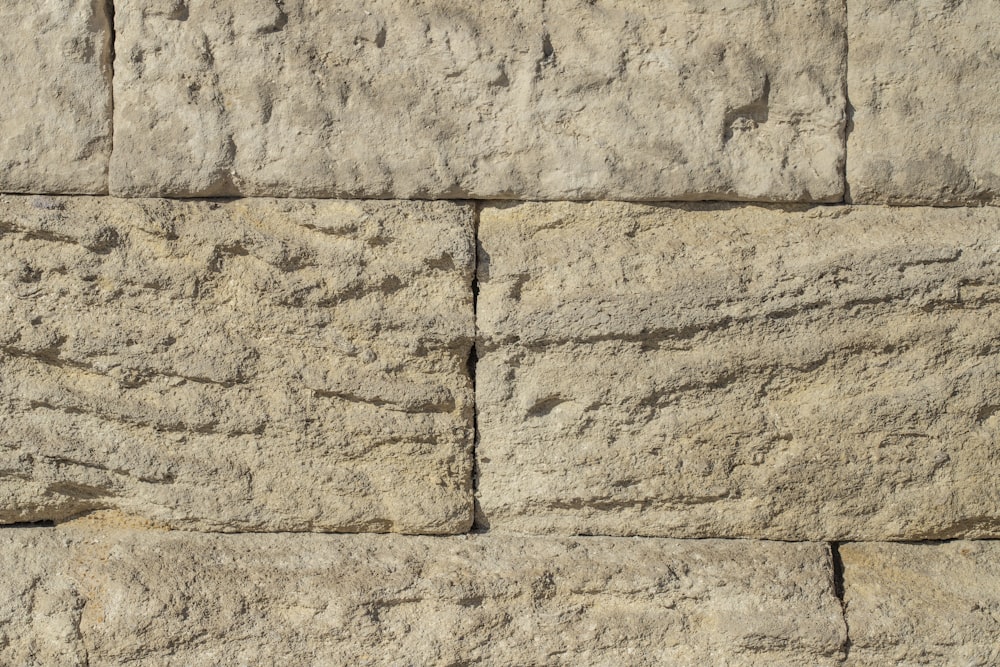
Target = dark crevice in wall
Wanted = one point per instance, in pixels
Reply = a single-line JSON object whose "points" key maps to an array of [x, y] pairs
{"points": [[471, 363], [109, 12], [838, 589], [849, 108], [29, 524]]}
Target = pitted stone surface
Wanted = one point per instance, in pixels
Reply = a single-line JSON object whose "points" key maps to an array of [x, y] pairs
{"points": [[555, 99], [248, 365], [55, 96], [721, 371], [923, 604], [924, 79], [75, 596]]}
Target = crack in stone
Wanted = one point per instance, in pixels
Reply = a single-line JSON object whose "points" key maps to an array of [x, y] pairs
{"points": [[109, 13], [838, 589], [472, 363]]}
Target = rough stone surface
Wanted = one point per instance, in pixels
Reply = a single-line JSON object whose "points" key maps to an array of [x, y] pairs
{"points": [[923, 604], [537, 99], [924, 79], [250, 365], [716, 370], [55, 96], [75, 596]]}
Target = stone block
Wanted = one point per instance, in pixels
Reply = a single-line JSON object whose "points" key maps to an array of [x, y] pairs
{"points": [[924, 78], [731, 371], [237, 366], [556, 99], [55, 96], [77, 597], [923, 604]]}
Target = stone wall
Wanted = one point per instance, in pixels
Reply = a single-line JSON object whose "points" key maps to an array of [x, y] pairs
{"points": [[583, 332]]}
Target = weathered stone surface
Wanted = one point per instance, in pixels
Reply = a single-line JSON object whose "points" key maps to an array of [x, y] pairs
{"points": [[923, 604], [710, 371], [924, 79], [555, 99], [250, 365], [55, 96], [149, 598]]}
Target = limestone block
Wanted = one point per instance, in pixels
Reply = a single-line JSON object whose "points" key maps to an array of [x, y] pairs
{"points": [[249, 365], [924, 79], [734, 371], [55, 96], [540, 99], [155, 598], [923, 604]]}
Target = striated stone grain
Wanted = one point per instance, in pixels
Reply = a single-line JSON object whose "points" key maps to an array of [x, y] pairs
{"points": [[247, 365], [924, 79], [554, 99], [721, 371], [55, 96], [150, 598], [923, 604]]}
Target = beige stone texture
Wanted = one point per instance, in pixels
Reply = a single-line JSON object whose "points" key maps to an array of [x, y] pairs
{"points": [[75, 597], [55, 96], [536, 99], [923, 604], [237, 366], [735, 371], [924, 79]]}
